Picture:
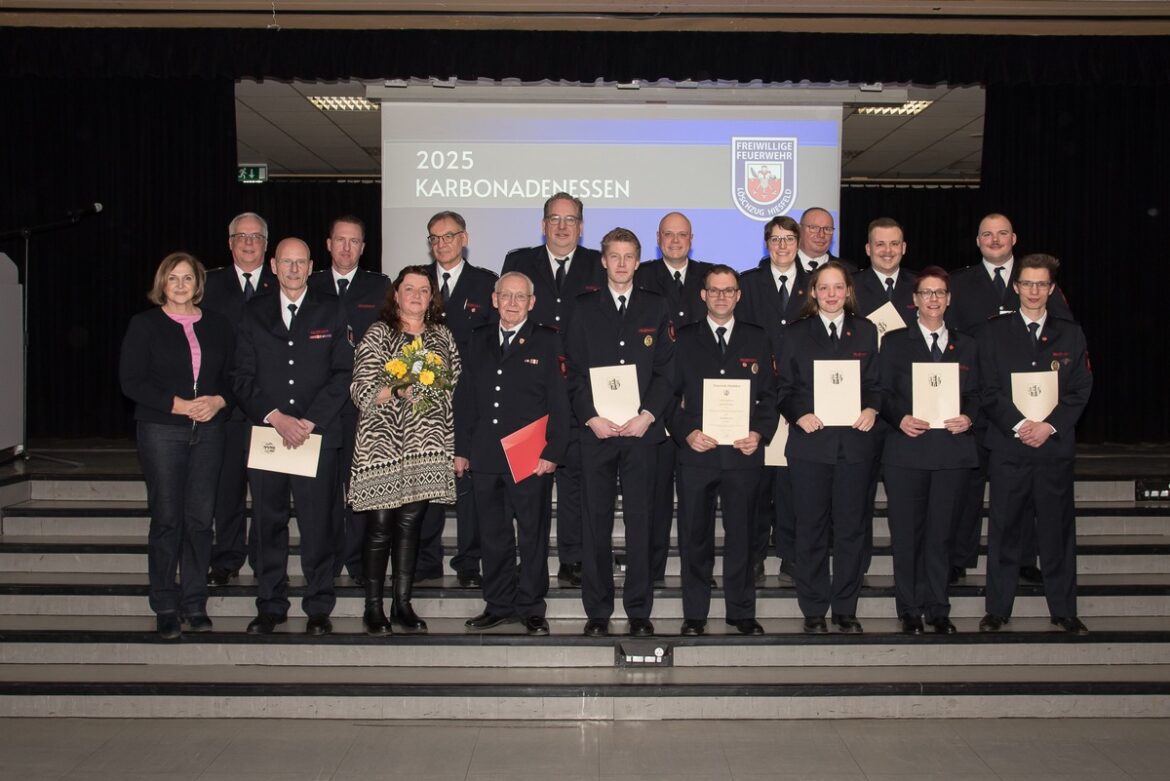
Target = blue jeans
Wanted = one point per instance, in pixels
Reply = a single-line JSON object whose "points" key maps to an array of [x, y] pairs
{"points": [[181, 467]]}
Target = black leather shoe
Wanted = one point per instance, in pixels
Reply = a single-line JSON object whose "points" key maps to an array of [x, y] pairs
{"points": [[943, 626], [597, 627], [1031, 574], [815, 625], [487, 620], [693, 627], [911, 625], [537, 626], [746, 626], [847, 624], [469, 578], [220, 577], [265, 623], [956, 574], [758, 573], [1070, 624], [168, 626], [641, 627], [319, 625], [198, 622], [569, 575], [992, 623]]}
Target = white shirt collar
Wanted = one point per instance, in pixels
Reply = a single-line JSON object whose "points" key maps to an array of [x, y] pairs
{"points": [[618, 304], [805, 260], [514, 331], [729, 325], [1043, 319], [942, 335], [789, 274], [883, 277], [454, 271], [255, 276], [840, 321], [670, 270], [347, 277], [1007, 269], [285, 301]]}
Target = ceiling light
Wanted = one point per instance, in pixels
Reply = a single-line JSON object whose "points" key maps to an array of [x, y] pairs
{"points": [[342, 103], [908, 109]]}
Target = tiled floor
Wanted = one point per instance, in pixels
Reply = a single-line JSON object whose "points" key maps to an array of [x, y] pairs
{"points": [[260, 750]]}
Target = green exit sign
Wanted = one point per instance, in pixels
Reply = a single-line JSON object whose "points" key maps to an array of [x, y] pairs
{"points": [[254, 173]]}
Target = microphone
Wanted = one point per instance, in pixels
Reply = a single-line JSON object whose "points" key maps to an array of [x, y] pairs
{"points": [[77, 214]]}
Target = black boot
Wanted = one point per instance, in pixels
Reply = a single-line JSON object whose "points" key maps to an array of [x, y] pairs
{"points": [[375, 557], [405, 533]]}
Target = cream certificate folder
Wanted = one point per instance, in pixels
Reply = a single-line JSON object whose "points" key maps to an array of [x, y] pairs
{"points": [[615, 392], [774, 451], [1035, 393], [837, 392], [727, 409], [935, 391], [267, 452], [887, 319]]}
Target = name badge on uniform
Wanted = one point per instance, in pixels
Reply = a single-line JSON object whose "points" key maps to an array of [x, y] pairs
{"points": [[320, 333]]}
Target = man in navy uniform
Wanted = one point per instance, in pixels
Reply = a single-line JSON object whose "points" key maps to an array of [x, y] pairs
{"points": [[619, 326], [560, 271], [466, 291], [679, 279], [774, 292], [361, 295], [293, 368], [720, 347], [511, 378], [226, 291], [816, 238], [980, 292], [1031, 466]]}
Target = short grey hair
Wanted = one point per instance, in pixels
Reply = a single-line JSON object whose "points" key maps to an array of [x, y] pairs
{"points": [[236, 221], [516, 275]]}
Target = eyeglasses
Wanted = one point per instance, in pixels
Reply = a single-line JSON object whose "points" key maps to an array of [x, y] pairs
{"points": [[567, 220], [509, 297], [1030, 285], [779, 240], [446, 238], [722, 292], [931, 293], [820, 230], [253, 237]]}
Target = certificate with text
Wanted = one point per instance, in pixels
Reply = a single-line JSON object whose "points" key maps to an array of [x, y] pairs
{"points": [[268, 453], [1035, 394], [887, 320], [935, 392], [615, 392], [727, 409], [837, 392]]}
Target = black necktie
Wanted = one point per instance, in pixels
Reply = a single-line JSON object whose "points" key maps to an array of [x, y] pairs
{"points": [[561, 263], [622, 306], [1034, 329], [506, 339], [833, 335], [889, 288], [342, 286], [812, 265], [292, 315], [935, 352], [249, 290], [678, 279], [1000, 286], [445, 290], [783, 290], [720, 332]]}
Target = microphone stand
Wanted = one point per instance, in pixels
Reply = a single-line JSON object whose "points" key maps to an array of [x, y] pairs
{"points": [[26, 233]]}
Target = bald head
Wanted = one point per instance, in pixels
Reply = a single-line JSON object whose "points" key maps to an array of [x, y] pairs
{"points": [[674, 239], [292, 265]]}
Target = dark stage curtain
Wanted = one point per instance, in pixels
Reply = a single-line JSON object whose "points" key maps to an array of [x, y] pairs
{"points": [[939, 223], [1084, 174], [160, 157], [305, 208]]}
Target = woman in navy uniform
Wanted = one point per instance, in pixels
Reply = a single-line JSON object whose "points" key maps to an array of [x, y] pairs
{"points": [[174, 365], [830, 464], [926, 469]]}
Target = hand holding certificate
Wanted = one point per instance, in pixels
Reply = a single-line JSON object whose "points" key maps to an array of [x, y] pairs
{"points": [[887, 320], [615, 392], [1035, 394], [935, 389], [837, 392], [268, 453], [727, 407]]}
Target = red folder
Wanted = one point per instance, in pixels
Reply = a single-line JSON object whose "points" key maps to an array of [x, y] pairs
{"points": [[523, 447]]}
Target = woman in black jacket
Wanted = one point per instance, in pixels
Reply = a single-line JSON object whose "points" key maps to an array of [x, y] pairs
{"points": [[174, 366]]}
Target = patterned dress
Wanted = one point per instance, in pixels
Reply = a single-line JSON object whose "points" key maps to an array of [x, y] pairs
{"points": [[400, 457]]}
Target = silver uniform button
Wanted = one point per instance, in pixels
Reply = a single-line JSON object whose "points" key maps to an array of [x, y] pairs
{"points": [[495, 422], [291, 361], [497, 387], [290, 344], [622, 343], [292, 401], [496, 404], [292, 382], [723, 371], [623, 360], [499, 371]]}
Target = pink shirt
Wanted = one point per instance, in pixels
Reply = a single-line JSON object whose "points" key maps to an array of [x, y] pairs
{"points": [[188, 322]]}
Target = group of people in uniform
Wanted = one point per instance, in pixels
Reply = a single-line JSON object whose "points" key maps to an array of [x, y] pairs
{"points": [[528, 345]]}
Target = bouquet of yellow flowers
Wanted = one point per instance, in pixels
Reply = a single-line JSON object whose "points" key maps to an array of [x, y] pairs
{"points": [[422, 370]]}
